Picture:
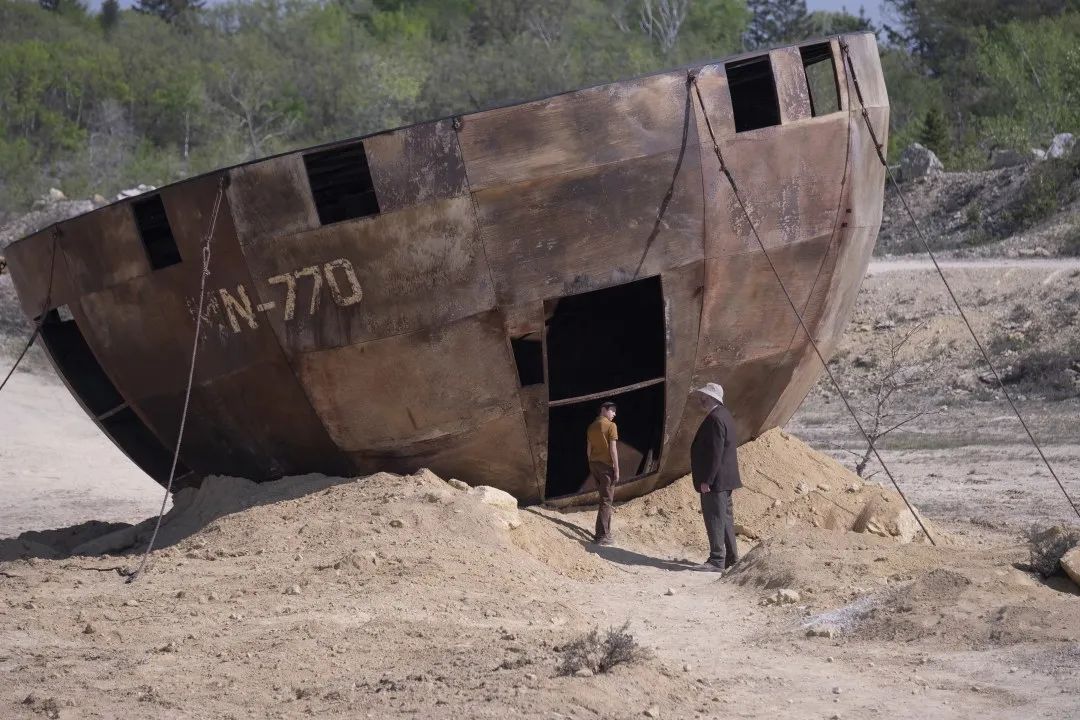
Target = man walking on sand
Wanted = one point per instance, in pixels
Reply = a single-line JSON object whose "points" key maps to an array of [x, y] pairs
{"points": [[715, 469], [600, 446]]}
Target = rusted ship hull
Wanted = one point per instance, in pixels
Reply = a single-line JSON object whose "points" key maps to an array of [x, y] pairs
{"points": [[461, 294]]}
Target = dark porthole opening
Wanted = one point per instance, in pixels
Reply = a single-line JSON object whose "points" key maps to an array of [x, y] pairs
{"points": [[606, 339], [76, 362], [156, 234], [340, 181], [639, 417], [821, 81], [753, 94], [529, 358]]}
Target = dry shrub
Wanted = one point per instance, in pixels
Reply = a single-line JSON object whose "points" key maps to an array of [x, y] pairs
{"points": [[600, 654], [1048, 545]]}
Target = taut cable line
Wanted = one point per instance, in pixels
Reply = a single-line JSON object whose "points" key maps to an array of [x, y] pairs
{"points": [[44, 310], [794, 308], [191, 375], [926, 246]]}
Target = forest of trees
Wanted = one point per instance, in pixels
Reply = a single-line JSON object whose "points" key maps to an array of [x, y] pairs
{"points": [[91, 102]]}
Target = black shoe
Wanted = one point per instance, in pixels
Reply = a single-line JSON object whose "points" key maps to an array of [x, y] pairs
{"points": [[709, 567], [605, 541]]}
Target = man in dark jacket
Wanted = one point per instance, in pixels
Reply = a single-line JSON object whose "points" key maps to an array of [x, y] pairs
{"points": [[715, 470]]}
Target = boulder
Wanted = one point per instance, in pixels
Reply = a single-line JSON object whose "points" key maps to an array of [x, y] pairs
{"points": [[1038, 154], [1061, 145], [504, 503], [918, 161], [1070, 563], [888, 518], [1003, 158], [56, 195]]}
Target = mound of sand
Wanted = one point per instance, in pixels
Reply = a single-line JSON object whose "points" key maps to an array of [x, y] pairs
{"points": [[406, 596], [786, 484]]}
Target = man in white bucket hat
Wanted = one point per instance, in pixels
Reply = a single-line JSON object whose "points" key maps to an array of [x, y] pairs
{"points": [[715, 469]]}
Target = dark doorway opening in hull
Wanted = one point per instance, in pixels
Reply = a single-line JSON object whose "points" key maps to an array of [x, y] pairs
{"points": [[605, 345], [605, 339]]}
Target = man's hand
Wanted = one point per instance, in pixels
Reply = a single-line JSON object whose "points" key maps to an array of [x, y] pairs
{"points": [[703, 488]]}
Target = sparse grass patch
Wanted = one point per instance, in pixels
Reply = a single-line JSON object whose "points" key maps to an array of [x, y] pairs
{"points": [[600, 653], [1051, 185], [1048, 545]]}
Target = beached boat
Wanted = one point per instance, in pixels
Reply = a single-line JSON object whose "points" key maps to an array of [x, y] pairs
{"points": [[462, 294]]}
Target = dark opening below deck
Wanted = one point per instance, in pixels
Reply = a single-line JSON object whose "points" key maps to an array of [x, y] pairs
{"points": [[341, 184], [604, 345], [640, 419], [605, 339]]}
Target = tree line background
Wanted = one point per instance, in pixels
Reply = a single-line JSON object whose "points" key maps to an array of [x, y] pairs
{"points": [[96, 102]]}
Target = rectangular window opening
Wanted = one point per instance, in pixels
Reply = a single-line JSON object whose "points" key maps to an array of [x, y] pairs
{"points": [[753, 94], [157, 236], [820, 69], [76, 362], [529, 357], [340, 181], [639, 417]]}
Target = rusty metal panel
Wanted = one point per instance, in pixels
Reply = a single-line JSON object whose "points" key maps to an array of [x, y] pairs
{"points": [[866, 196], [745, 314], [104, 248], [39, 270], [271, 198], [414, 387], [575, 131], [375, 277], [790, 178], [416, 165], [587, 230], [255, 423], [864, 55], [712, 89], [495, 453], [791, 88], [846, 92]]}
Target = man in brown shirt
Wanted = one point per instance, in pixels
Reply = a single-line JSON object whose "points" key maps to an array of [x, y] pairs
{"points": [[600, 446]]}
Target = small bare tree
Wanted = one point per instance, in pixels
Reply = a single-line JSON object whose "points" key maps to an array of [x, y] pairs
{"points": [[662, 20], [887, 382]]}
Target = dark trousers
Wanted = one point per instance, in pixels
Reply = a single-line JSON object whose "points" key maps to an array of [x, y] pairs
{"points": [[720, 527], [605, 484]]}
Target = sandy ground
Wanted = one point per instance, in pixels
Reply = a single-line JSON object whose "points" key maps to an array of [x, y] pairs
{"points": [[405, 597]]}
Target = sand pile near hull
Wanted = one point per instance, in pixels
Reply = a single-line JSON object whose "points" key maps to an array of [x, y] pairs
{"points": [[786, 484]]}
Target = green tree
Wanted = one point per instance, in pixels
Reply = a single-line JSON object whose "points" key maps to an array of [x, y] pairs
{"points": [[171, 11], [935, 133], [775, 21], [110, 15]]}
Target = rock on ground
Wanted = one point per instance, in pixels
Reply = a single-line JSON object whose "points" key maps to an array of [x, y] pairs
{"points": [[917, 161]]}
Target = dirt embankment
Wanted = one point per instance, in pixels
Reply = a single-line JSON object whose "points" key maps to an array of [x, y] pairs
{"points": [[410, 596]]}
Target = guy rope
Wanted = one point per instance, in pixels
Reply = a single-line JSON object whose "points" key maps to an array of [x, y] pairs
{"points": [[926, 246], [794, 308], [222, 182]]}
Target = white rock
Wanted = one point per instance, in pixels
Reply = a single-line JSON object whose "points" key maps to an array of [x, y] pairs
{"points": [[1038, 154], [503, 502], [56, 195], [653, 711], [584, 673], [1070, 563], [917, 161], [802, 488], [293, 590], [1061, 145], [458, 484], [825, 631]]}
